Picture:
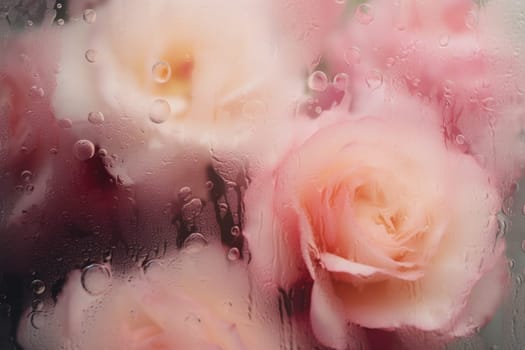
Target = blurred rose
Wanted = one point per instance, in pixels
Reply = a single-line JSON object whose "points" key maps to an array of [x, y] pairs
{"points": [[198, 67], [455, 55], [396, 229], [198, 300]]}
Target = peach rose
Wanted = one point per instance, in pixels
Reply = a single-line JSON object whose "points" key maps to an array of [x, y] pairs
{"points": [[186, 67], [197, 300], [396, 229]]}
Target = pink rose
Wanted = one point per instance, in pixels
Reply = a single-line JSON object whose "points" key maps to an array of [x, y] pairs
{"points": [[396, 229], [195, 69], [455, 55], [199, 299]]}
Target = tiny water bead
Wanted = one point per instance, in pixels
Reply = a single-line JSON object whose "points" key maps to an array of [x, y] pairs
{"points": [[153, 269], [364, 13], [96, 118], [160, 111], [340, 81], [38, 287], [91, 55], [374, 79], [37, 91], [90, 16], [65, 123], [38, 319], [26, 175], [95, 279], [234, 254], [60, 21], [443, 40], [161, 72], [191, 209], [352, 56], [195, 242], [460, 139], [318, 81], [235, 231], [223, 209], [37, 305], [471, 20], [84, 149], [185, 193]]}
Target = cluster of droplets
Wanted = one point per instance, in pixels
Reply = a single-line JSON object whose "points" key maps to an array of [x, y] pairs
{"points": [[37, 315], [27, 186]]}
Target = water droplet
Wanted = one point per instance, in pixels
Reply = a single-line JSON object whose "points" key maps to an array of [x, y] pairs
{"points": [[235, 231], [153, 269], [471, 20], [191, 209], [341, 81], [460, 139], [519, 279], [209, 185], [374, 79], [352, 56], [95, 279], [37, 305], [318, 81], [159, 112], [223, 209], [234, 254], [443, 40], [36, 91], [29, 188], [91, 55], [90, 16], [84, 149], [60, 21], [96, 118], [523, 246], [390, 61], [185, 193], [65, 123], [38, 286], [364, 13], [102, 152], [488, 103], [37, 319], [26, 175], [161, 72], [59, 6], [511, 263], [195, 242]]}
